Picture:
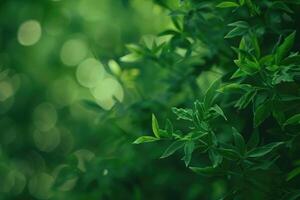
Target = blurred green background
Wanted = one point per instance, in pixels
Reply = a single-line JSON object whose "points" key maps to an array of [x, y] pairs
{"points": [[70, 109]]}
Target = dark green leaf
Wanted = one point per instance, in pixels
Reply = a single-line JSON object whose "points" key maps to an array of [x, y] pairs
{"points": [[207, 171], [293, 120], [239, 141], [262, 113], [188, 150], [173, 148], [263, 150]]}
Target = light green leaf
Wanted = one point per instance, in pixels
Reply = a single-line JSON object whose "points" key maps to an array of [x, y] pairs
{"points": [[145, 139], [155, 127], [227, 4]]}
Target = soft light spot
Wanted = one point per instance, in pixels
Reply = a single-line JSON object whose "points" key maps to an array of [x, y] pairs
{"points": [[45, 116], [63, 91], [40, 186], [46, 141], [6, 90], [29, 33], [73, 52], [90, 73], [108, 92], [105, 172]]}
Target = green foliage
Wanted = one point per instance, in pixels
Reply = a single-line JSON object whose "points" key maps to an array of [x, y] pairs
{"points": [[79, 81], [255, 98]]}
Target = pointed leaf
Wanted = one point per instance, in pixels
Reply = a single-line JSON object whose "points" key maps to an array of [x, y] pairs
{"points": [[172, 148], [145, 139]]}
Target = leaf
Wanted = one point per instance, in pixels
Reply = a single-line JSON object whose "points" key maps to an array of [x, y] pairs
{"points": [[283, 50], [214, 157], [188, 150], [227, 4], [218, 110], [263, 150], [211, 93], [237, 31], [238, 73], [244, 101], [144, 139], [293, 120], [248, 66], [293, 174], [239, 141], [229, 153], [254, 140], [173, 148], [133, 57], [234, 87], [169, 127], [262, 113], [155, 127], [92, 105], [185, 114], [207, 171], [241, 24]]}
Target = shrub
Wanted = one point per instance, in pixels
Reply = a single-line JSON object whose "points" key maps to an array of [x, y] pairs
{"points": [[244, 128]]}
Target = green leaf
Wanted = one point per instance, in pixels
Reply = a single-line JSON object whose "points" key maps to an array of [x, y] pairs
{"points": [[227, 4], [211, 94], [239, 141], [262, 113], [207, 171], [249, 67], [173, 148], [92, 105], [283, 50], [144, 139], [237, 31], [155, 127], [241, 24], [263, 150], [218, 110], [254, 140], [188, 150], [169, 127], [214, 157], [238, 73], [133, 57], [244, 101], [293, 120], [234, 87], [229, 153], [293, 174], [185, 114]]}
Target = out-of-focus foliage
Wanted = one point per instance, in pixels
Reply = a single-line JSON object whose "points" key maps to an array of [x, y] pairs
{"points": [[79, 81]]}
